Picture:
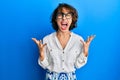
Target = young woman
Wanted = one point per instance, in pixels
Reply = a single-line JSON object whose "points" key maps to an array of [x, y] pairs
{"points": [[63, 51]]}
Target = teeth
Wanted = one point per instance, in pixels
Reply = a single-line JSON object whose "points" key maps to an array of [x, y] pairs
{"points": [[64, 24]]}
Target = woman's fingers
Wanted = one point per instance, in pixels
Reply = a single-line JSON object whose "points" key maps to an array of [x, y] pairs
{"points": [[87, 43], [44, 44], [35, 40], [38, 42], [90, 38]]}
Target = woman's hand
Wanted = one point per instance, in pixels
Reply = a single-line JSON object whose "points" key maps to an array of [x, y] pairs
{"points": [[86, 44], [40, 46]]}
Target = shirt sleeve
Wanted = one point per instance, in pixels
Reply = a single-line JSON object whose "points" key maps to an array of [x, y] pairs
{"points": [[45, 63], [81, 59]]}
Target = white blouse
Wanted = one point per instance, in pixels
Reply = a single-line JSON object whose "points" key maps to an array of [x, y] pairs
{"points": [[58, 59]]}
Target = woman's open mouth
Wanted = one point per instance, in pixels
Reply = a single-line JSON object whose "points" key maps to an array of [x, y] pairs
{"points": [[64, 26]]}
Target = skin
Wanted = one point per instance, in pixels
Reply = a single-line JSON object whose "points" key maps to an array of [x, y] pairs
{"points": [[63, 35], [86, 44]]}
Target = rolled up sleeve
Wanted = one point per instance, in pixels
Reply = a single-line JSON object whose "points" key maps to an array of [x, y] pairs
{"points": [[44, 63], [81, 60]]}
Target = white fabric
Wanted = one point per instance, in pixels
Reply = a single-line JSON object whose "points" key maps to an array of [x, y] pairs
{"points": [[63, 60]]}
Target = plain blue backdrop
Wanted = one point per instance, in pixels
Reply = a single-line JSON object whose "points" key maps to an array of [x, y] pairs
{"points": [[20, 20]]}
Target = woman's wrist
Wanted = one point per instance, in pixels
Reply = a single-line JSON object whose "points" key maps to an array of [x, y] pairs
{"points": [[41, 55], [86, 54], [41, 58]]}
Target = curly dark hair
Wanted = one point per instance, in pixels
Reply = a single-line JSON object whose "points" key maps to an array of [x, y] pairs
{"points": [[71, 9]]}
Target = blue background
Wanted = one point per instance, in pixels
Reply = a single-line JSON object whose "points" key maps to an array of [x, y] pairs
{"points": [[20, 20]]}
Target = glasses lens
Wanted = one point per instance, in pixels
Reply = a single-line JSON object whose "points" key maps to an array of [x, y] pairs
{"points": [[61, 15], [68, 15]]}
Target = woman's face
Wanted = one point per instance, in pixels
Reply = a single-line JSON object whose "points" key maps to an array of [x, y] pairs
{"points": [[64, 20]]}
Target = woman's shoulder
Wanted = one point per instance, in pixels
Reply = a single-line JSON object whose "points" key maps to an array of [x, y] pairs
{"points": [[49, 36], [77, 36]]}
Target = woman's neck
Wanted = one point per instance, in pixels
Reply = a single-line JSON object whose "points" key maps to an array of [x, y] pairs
{"points": [[63, 34], [63, 38]]}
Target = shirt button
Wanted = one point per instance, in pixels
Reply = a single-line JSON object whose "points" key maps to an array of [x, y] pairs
{"points": [[50, 50], [62, 68], [63, 52], [75, 51], [62, 60]]}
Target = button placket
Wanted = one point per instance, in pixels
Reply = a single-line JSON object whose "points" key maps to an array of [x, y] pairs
{"points": [[50, 50], [63, 60], [63, 52]]}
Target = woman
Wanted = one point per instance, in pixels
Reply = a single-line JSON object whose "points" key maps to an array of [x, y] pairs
{"points": [[63, 51]]}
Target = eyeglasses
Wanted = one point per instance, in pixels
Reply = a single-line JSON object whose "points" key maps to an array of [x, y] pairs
{"points": [[67, 15]]}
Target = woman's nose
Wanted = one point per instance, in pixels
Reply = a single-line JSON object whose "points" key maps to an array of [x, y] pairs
{"points": [[63, 16]]}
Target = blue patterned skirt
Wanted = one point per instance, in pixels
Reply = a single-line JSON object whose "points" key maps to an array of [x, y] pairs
{"points": [[60, 76]]}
